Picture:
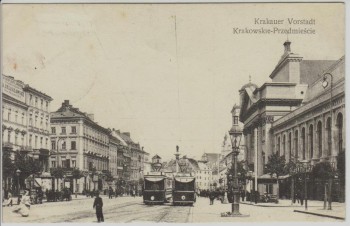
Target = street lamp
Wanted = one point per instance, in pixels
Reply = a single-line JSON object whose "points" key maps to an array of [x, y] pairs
{"points": [[18, 172], [325, 85], [304, 168], [235, 135]]}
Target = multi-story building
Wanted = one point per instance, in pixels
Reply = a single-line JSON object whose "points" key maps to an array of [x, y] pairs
{"points": [[291, 115], [77, 141], [25, 117], [203, 176], [114, 144]]}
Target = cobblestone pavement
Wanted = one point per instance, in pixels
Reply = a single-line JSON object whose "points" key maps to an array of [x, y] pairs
{"points": [[128, 209]]}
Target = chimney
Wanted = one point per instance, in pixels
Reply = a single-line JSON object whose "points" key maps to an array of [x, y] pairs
{"points": [[91, 116], [65, 103], [142, 148], [287, 46]]}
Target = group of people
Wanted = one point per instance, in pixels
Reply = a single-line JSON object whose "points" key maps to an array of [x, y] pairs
{"points": [[54, 196]]}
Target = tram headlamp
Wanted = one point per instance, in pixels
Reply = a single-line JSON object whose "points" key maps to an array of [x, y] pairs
{"points": [[152, 197], [183, 197]]}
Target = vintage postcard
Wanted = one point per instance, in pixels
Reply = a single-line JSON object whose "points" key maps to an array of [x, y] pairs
{"points": [[173, 113]]}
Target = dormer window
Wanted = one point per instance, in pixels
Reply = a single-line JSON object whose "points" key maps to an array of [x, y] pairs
{"points": [[235, 120]]}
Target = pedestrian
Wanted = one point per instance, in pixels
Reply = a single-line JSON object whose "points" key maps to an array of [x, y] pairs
{"points": [[243, 195], [24, 206], [98, 204], [8, 202], [211, 197], [133, 193], [110, 193]]}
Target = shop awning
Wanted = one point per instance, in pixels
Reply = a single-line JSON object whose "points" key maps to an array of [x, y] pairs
{"points": [[184, 179], [154, 179]]}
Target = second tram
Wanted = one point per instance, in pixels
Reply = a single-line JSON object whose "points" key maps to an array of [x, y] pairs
{"points": [[184, 191]]}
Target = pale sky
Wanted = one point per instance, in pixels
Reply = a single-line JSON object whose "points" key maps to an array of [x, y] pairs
{"points": [[126, 65]]}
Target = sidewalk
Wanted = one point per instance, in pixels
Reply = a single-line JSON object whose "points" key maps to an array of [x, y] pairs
{"points": [[204, 213], [314, 208]]}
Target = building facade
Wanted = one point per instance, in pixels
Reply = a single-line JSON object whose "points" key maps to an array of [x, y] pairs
{"points": [[25, 117], [289, 115], [79, 142]]}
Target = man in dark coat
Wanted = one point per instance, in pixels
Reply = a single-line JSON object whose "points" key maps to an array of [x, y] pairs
{"points": [[98, 204]]}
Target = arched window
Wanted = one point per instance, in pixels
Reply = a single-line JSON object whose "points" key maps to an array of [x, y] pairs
{"points": [[296, 147], [284, 145], [303, 142], [319, 138], [290, 145], [329, 136], [311, 141], [340, 131]]}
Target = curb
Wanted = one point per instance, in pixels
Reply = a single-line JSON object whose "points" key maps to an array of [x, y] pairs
{"points": [[262, 205], [319, 214]]}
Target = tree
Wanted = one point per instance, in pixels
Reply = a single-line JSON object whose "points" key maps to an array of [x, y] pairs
{"points": [[8, 167], [276, 166], [341, 172], [27, 165], [57, 173], [324, 171], [290, 169], [76, 174]]}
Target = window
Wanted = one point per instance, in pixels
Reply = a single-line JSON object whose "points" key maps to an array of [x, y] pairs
{"points": [[30, 140], [16, 138], [41, 142], [46, 142], [36, 141], [31, 99], [53, 164], [235, 120], [74, 163], [9, 115], [41, 103], [36, 121], [30, 121], [74, 129], [73, 145], [22, 119], [53, 130], [63, 130], [64, 163], [16, 117], [64, 145], [53, 145], [47, 105]]}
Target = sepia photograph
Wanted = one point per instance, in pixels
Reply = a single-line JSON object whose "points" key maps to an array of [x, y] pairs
{"points": [[173, 112]]}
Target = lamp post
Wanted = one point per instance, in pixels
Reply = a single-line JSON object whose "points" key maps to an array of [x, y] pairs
{"points": [[305, 168], [225, 201], [235, 135], [18, 172], [325, 84]]}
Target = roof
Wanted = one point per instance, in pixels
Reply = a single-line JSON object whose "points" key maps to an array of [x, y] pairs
{"points": [[250, 86], [310, 70], [156, 157], [213, 157]]}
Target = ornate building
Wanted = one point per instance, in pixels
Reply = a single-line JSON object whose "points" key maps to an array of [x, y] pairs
{"points": [[77, 141], [25, 117], [290, 115]]}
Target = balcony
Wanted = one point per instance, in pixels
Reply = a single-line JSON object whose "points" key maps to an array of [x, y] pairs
{"points": [[7, 145]]}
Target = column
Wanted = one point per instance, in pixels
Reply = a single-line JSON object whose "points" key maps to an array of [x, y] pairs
{"points": [[256, 158]]}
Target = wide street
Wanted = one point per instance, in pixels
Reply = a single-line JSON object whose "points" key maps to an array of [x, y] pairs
{"points": [[129, 209]]}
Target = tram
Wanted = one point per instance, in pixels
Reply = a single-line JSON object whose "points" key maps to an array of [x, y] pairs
{"points": [[184, 189], [157, 189]]}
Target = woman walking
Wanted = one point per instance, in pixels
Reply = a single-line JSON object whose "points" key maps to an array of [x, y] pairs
{"points": [[24, 206]]}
